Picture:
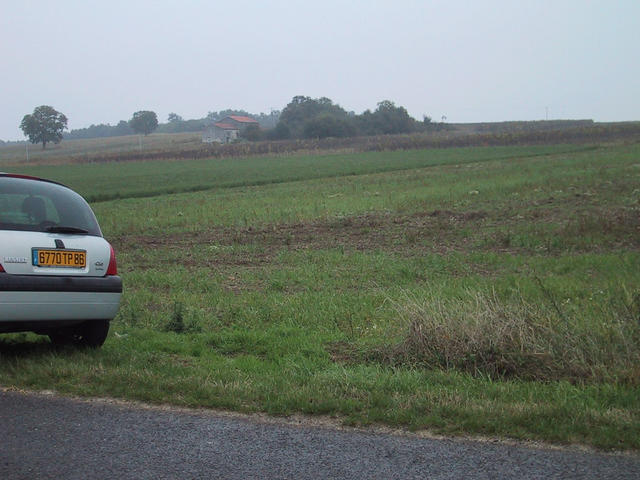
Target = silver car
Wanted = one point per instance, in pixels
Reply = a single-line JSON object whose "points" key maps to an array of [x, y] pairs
{"points": [[58, 275]]}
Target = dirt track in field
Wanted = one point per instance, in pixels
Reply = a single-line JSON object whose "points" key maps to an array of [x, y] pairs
{"points": [[436, 231]]}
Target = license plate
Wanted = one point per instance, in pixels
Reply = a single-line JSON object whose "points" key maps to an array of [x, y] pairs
{"points": [[59, 258]]}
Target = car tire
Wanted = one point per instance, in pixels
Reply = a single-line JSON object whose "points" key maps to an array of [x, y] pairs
{"points": [[91, 333]]}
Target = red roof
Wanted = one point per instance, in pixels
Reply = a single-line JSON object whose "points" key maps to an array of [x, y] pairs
{"points": [[242, 119]]}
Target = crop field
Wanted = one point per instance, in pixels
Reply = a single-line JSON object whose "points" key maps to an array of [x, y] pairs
{"points": [[489, 291], [189, 146], [88, 148]]}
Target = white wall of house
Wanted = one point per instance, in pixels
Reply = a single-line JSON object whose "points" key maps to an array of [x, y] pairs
{"points": [[221, 135]]}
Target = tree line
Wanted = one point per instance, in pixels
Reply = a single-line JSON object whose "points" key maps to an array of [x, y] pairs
{"points": [[306, 117], [47, 125], [175, 124], [303, 118]]}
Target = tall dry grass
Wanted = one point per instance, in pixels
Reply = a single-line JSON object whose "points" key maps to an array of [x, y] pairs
{"points": [[484, 334]]}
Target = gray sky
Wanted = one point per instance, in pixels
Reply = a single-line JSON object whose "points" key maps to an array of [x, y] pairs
{"points": [[471, 60]]}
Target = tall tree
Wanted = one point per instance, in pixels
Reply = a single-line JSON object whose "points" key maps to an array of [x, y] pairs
{"points": [[44, 125], [144, 121], [392, 119], [301, 110], [386, 119]]}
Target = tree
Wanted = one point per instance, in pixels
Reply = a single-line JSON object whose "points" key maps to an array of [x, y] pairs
{"points": [[174, 118], [326, 125], [144, 121], [253, 133], [269, 120], [280, 132], [387, 119], [44, 125], [303, 109], [123, 128]]}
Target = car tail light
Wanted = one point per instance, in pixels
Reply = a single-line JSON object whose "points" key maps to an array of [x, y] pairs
{"points": [[1, 269], [112, 269]]}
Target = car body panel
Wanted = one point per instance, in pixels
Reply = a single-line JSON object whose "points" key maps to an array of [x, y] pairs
{"points": [[48, 306]]}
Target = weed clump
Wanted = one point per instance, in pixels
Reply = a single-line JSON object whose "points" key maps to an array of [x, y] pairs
{"points": [[176, 322], [179, 324], [483, 334]]}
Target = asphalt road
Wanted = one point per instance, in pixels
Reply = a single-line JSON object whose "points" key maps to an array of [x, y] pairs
{"points": [[50, 437]]}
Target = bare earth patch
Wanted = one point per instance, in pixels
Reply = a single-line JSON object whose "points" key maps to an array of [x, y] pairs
{"points": [[438, 231], [432, 231]]}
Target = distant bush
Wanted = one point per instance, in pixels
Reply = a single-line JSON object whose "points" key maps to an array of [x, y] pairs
{"points": [[386, 119], [182, 126], [253, 133], [100, 131]]}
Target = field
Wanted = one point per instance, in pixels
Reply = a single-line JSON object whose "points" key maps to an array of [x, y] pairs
{"points": [[471, 291], [79, 150], [189, 146]]}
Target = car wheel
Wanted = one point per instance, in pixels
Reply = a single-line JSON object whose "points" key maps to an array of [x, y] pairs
{"points": [[91, 333]]}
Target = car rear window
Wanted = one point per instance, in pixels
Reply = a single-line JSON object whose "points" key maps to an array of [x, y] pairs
{"points": [[34, 205]]}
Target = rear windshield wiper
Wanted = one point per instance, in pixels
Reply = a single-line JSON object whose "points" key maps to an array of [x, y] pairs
{"points": [[63, 229]]}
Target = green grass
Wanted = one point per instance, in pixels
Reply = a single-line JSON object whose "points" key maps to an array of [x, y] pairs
{"points": [[97, 182], [311, 284]]}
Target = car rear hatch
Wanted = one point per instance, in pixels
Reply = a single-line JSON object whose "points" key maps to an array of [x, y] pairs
{"points": [[38, 253], [48, 229]]}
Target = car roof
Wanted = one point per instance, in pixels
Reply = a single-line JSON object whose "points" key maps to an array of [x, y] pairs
{"points": [[30, 177]]}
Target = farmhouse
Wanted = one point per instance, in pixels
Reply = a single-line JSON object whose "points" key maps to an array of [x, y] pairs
{"points": [[227, 129]]}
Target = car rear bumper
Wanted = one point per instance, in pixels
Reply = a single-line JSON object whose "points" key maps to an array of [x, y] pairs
{"points": [[28, 298], [48, 283]]}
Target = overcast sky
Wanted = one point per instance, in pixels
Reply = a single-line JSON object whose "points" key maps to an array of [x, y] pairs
{"points": [[100, 61]]}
